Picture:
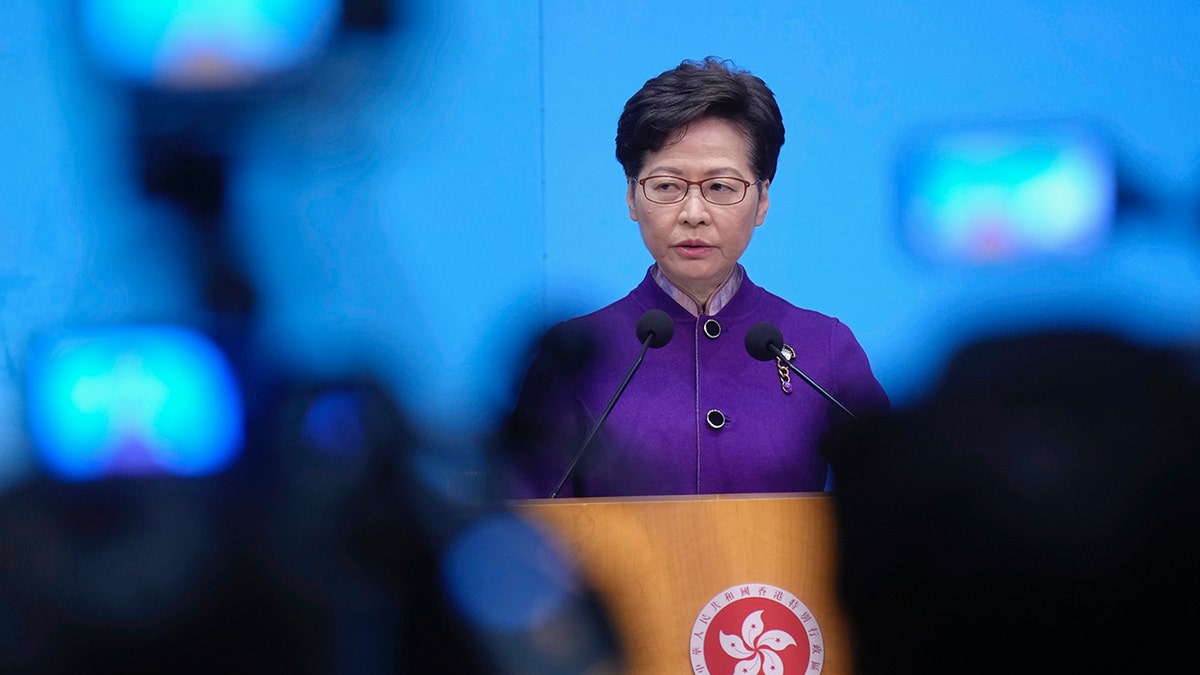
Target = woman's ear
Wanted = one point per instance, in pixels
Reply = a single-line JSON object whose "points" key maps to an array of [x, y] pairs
{"points": [[764, 201]]}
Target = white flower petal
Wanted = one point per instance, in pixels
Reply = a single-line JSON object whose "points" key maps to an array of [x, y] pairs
{"points": [[772, 664], [752, 627], [775, 639], [749, 666], [734, 646]]}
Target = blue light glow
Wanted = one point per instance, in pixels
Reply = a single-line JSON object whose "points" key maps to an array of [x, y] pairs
{"points": [[205, 44], [333, 423], [1001, 195], [141, 400], [506, 576]]}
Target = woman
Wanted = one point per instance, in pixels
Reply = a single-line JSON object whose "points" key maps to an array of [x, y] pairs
{"points": [[699, 145]]}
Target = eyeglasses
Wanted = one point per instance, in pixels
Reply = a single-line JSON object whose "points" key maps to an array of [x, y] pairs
{"points": [[719, 190]]}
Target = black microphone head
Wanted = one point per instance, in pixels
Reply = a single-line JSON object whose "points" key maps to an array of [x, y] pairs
{"points": [[760, 338], [656, 325]]}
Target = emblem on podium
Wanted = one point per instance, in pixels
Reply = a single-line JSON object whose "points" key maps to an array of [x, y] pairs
{"points": [[756, 629]]}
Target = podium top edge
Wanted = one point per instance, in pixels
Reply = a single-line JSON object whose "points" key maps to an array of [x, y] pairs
{"points": [[668, 498]]}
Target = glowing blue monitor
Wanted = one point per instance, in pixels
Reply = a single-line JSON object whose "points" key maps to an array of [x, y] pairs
{"points": [[204, 44], [132, 400], [997, 195]]}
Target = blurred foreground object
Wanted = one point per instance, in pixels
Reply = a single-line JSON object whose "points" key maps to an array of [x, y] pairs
{"points": [[205, 44], [1035, 513], [986, 195], [315, 550], [132, 400]]}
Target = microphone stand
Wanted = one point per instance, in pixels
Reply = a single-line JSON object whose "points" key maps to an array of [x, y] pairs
{"points": [[792, 367], [596, 427]]}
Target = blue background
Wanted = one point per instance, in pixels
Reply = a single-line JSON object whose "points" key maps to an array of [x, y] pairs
{"points": [[426, 200]]}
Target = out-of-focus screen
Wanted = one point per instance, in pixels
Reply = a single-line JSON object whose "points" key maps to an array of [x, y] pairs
{"points": [[132, 400], [995, 195], [204, 44]]}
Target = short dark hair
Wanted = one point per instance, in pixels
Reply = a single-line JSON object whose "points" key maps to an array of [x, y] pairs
{"points": [[664, 107]]}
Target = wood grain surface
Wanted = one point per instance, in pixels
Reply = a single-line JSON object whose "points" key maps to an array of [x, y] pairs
{"points": [[657, 562]]}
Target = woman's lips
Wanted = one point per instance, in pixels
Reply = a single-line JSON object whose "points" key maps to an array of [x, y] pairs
{"points": [[693, 249]]}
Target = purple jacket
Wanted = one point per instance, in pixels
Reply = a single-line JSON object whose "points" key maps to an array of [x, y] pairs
{"points": [[657, 439]]}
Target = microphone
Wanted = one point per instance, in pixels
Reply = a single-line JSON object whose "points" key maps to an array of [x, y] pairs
{"points": [[655, 329], [764, 341]]}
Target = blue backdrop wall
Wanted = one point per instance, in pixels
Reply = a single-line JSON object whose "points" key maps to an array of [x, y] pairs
{"points": [[427, 199]]}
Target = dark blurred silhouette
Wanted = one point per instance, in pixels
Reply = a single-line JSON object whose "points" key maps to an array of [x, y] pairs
{"points": [[566, 351], [321, 552], [1035, 513], [262, 569]]}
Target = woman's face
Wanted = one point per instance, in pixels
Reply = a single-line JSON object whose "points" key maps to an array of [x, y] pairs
{"points": [[695, 243]]}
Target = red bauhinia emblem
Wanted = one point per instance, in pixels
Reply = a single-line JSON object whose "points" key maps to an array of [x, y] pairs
{"points": [[756, 629]]}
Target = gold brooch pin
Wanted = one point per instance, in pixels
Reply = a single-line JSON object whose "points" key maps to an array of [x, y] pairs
{"points": [[785, 375]]}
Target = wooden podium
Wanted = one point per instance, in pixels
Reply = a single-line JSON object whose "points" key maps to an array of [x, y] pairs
{"points": [[658, 562]]}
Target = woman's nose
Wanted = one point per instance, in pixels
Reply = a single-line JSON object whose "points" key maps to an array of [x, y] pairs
{"points": [[693, 210]]}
